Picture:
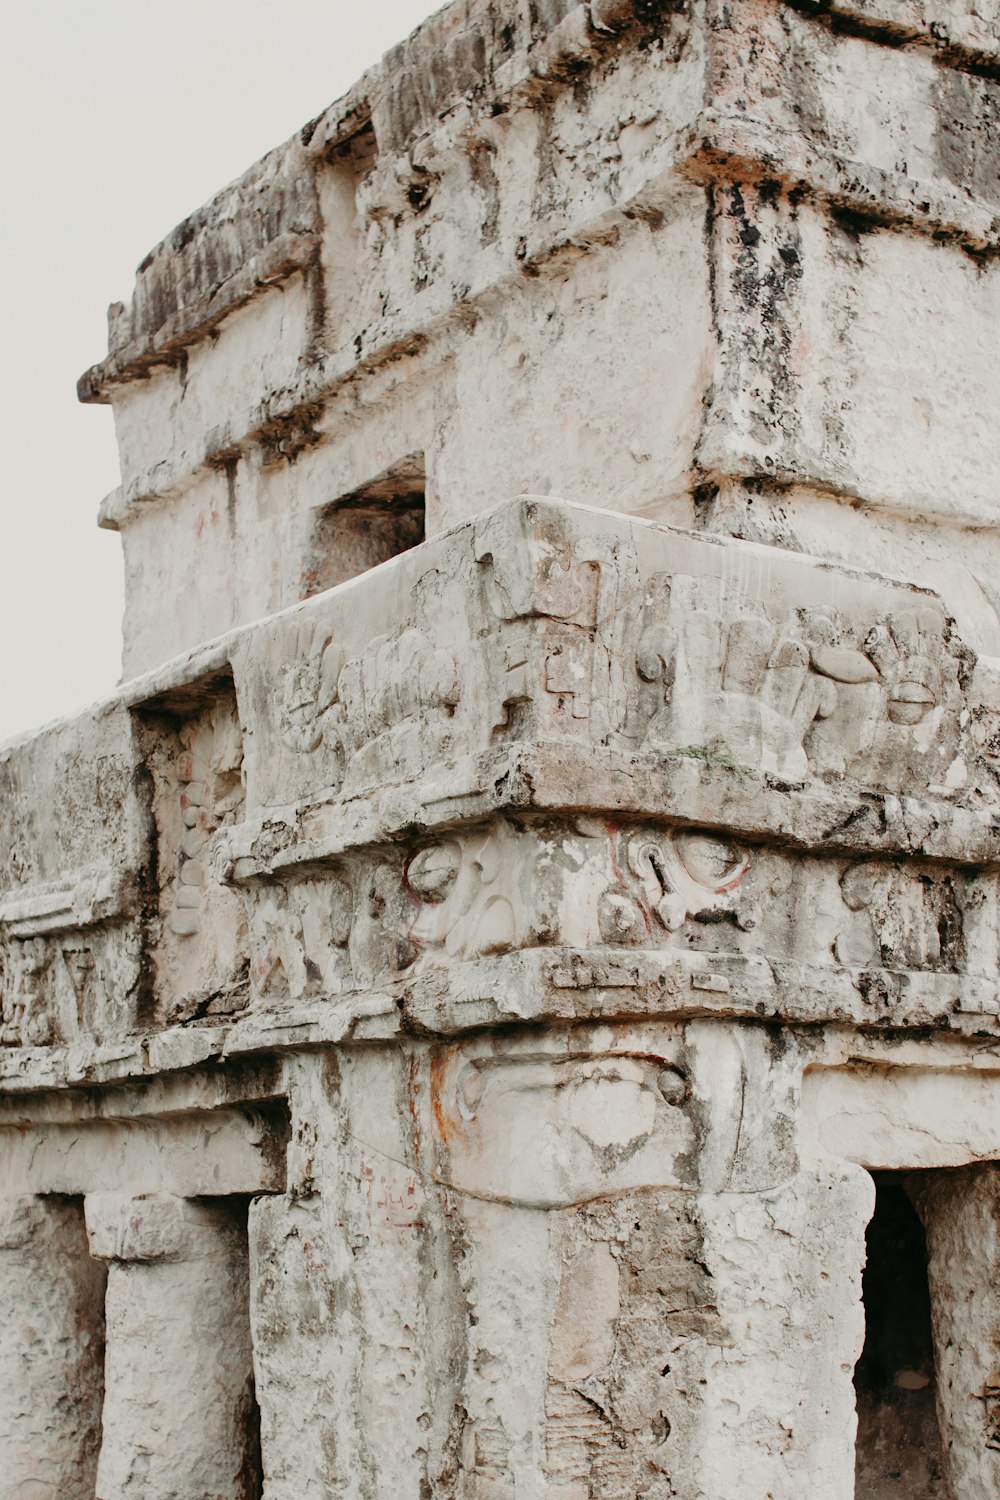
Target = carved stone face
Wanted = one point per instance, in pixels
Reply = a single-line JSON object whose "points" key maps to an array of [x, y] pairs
{"points": [[912, 653]]}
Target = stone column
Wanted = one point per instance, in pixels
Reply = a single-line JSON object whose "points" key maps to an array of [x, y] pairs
{"points": [[179, 1410], [785, 1265], [51, 1347], [961, 1216]]}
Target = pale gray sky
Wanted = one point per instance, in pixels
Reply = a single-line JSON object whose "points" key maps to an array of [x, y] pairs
{"points": [[119, 118]]}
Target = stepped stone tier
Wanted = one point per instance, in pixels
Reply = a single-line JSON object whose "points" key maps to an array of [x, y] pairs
{"points": [[515, 1015]]}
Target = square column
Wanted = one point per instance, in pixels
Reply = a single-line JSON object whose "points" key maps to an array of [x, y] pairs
{"points": [[51, 1348], [179, 1410]]}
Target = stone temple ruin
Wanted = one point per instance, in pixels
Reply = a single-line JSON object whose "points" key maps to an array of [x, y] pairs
{"points": [[516, 1014]]}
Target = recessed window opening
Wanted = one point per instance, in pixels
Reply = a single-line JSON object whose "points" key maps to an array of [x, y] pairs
{"points": [[898, 1443], [366, 527]]}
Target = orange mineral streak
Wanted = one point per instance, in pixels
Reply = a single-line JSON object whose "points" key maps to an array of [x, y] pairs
{"points": [[448, 1123]]}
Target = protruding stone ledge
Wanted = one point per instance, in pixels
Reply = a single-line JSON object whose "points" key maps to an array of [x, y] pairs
{"points": [[549, 729], [253, 235], [220, 1151], [80, 900], [964, 35]]}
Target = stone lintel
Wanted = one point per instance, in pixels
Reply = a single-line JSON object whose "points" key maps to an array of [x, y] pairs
{"points": [[225, 1151], [156, 1226]]}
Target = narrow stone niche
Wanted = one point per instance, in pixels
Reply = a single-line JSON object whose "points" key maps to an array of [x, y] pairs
{"points": [[342, 249], [180, 1413], [194, 752], [899, 1449], [360, 530]]}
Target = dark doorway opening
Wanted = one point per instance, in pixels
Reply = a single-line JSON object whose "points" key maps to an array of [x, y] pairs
{"points": [[898, 1443]]}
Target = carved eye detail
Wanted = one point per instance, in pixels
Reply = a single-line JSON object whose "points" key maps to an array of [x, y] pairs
{"points": [[717, 864], [432, 872], [910, 703], [672, 1085], [618, 916], [912, 653]]}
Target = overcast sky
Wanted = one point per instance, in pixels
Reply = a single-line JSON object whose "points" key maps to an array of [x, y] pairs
{"points": [[119, 117]]}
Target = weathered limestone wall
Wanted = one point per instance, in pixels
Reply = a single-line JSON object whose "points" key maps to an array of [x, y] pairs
{"points": [[494, 1017], [726, 266]]}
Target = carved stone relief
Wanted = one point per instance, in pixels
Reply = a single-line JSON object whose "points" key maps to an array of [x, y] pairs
{"points": [[25, 1013], [674, 876], [695, 664], [901, 918], [468, 894], [397, 700], [369, 716], [197, 770], [307, 691], [355, 710], [209, 774], [299, 935], [550, 591], [547, 1132], [585, 885], [79, 982], [726, 682], [923, 670]]}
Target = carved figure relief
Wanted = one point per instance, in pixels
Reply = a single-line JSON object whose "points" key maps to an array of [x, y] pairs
{"points": [[380, 942], [307, 691], [81, 966], [397, 703], [554, 576], [550, 592], [467, 895], [904, 919], [197, 767], [923, 669], [25, 1009], [384, 713], [915, 665], [298, 936], [571, 1126], [719, 679]]}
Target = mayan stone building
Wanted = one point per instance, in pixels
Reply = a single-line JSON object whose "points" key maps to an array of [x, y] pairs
{"points": [[513, 1015]]}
